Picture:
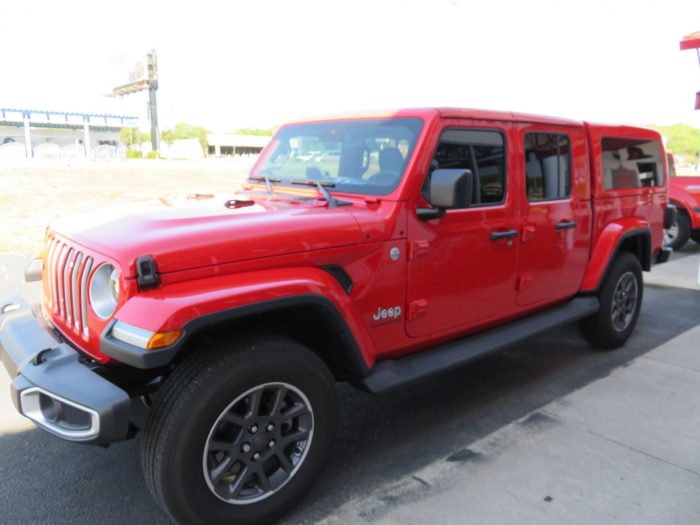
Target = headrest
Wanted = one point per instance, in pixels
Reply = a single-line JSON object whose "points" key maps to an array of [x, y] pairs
{"points": [[390, 159]]}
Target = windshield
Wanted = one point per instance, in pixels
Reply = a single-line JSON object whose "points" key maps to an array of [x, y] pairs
{"points": [[356, 156]]}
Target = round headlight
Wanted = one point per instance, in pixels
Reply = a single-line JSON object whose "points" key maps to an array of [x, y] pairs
{"points": [[104, 291]]}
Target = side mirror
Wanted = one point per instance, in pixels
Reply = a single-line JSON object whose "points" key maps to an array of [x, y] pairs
{"points": [[448, 189]]}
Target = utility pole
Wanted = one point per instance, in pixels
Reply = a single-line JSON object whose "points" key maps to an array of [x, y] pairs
{"points": [[143, 78], [152, 65]]}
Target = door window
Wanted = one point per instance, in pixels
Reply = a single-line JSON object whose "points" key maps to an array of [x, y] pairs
{"points": [[480, 151], [547, 166]]}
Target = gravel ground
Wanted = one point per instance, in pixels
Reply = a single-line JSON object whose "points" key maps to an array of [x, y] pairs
{"points": [[34, 194]]}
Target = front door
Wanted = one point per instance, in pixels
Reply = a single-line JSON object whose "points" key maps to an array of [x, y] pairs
{"points": [[462, 267]]}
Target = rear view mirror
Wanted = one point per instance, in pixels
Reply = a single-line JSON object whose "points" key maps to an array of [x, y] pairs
{"points": [[449, 188]]}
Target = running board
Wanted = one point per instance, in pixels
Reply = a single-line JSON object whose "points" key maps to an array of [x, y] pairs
{"points": [[392, 373]]}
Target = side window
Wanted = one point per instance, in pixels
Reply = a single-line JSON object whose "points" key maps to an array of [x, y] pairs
{"points": [[547, 166], [482, 152], [631, 163]]}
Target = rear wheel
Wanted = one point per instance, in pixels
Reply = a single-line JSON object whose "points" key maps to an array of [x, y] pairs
{"points": [[239, 434], [620, 303], [678, 234]]}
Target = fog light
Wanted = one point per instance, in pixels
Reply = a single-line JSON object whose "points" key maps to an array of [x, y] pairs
{"points": [[51, 408], [59, 415]]}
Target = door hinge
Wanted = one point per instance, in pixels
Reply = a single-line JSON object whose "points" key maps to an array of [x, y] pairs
{"points": [[416, 308], [417, 248]]}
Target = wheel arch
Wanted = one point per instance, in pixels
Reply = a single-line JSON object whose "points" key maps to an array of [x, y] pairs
{"points": [[306, 304], [685, 205], [312, 320], [614, 240], [681, 206]]}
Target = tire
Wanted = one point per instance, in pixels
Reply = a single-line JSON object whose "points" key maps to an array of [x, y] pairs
{"points": [[695, 235], [678, 234], [204, 430], [620, 302]]}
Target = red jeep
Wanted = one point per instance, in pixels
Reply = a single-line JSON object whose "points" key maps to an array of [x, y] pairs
{"points": [[407, 244], [684, 193]]}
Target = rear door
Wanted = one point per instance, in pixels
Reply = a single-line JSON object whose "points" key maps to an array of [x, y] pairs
{"points": [[556, 213], [462, 267]]}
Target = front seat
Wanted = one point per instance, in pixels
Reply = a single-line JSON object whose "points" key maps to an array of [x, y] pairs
{"points": [[390, 167]]}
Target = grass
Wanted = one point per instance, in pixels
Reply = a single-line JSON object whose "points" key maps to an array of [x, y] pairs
{"points": [[33, 194]]}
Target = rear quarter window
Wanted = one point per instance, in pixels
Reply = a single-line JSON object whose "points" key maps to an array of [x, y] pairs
{"points": [[631, 163]]}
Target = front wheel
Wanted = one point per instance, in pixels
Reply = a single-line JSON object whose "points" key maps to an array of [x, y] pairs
{"points": [[620, 303], [678, 234], [239, 434]]}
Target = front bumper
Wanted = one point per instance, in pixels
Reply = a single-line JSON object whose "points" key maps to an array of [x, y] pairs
{"points": [[54, 386]]}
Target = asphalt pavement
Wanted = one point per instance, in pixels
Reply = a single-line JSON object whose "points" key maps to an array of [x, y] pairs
{"points": [[549, 431]]}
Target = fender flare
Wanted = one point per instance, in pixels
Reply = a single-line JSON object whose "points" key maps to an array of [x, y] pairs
{"points": [[300, 287], [686, 205], [608, 246]]}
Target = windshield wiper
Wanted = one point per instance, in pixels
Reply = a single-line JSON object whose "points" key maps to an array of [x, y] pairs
{"points": [[321, 186], [268, 181]]}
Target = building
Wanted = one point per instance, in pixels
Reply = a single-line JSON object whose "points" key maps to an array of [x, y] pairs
{"points": [[31, 133], [228, 144], [41, 134]]}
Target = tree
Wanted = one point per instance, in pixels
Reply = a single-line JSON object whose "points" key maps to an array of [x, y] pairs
{"points": [[167, 135], [682, 140], [255, 131], [182, 130], [130, 137]]}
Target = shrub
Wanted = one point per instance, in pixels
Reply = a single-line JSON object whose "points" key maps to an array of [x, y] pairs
{"points": [[133, 154]]}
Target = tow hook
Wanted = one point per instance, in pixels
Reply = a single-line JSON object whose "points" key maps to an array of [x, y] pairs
{"points": [[9, 307], [39, 356]]}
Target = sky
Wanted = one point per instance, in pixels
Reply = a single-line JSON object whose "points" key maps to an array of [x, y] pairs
{"points": [[232, 64]]}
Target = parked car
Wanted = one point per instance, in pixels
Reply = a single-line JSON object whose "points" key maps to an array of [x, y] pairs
{"points": [[308, 155], [684, 193], [229, 321]]}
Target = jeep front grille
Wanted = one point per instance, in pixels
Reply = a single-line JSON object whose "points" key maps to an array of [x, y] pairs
{"points": [[68, 269]]}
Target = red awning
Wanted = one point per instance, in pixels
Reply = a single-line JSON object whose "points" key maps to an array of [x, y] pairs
{"points": [[691, 41]]}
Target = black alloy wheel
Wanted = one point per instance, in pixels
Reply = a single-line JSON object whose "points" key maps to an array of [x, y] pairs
{"points": [[624, 303], [240, 432], [258, 443], [620, 298]]}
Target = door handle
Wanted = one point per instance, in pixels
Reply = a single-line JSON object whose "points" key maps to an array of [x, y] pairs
{"points": [[565, 225], [509, 234]]}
